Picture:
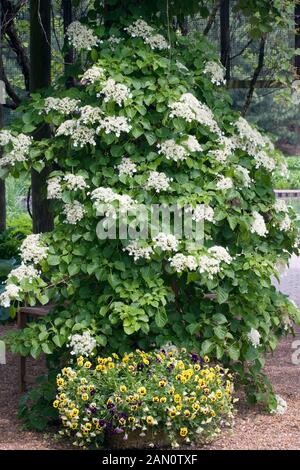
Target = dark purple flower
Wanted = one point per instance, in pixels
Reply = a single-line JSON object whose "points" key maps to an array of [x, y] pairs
{"points": [[102, 423], [140, 366]]}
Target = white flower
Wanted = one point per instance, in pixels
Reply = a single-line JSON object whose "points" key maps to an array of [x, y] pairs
{"points": [[134, 249], [281, 206], [139, 29], [191, 109], [173, 151], [61, 105], [281, 406], [216, 72], [220, 253], [158, 181], [157, 41], [82, 345], [74, 212], [32, 249], [90, 115], [285, 224], [54, 189], [114, 40], [248, 133], [10, 293], [258, 225], [165, 241], [20, 146], [24, 271], [127, 167], [93, 74], [80, 135], [104, 197], [192, 144], [113, 91], [202, 212], [81, 37], [247, 180], [74, 182], [227, 147], [254, 337], [224, 183], [114, 124], [181, 262], [263, 160], [208, 265]]}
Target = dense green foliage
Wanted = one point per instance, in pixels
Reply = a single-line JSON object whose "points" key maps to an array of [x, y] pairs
{"points": [[96, 284]]}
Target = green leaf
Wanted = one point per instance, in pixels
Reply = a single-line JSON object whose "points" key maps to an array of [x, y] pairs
{"points": [[161, 318]]}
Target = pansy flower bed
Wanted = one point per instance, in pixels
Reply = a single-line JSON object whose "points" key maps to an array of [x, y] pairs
{"points": [[166, 396]]}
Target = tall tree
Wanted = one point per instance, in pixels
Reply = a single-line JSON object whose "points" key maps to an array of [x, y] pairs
{"points": [[69, 53], [40, 77], [2, 182]]}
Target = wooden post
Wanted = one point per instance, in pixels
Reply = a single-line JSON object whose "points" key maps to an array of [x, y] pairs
{"points": [[69, 54], [40, 77], [297, 38], [225, 36]]}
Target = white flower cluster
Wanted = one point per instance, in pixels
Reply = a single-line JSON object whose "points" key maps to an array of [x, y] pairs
{"points": [[74, 212], [165, 241], [61, 105], [201, 212], [12, 290], [281, 406], [92, 75], [113, 91], [224, 183], [81, 37], [90, 115], [82, 345], [103, 200], [54, 189], [248, 133], [80, 135], [247, 180], [157, 41], [114, 124], [216, 72], [134, 249], [114, 40], [74, 182], [191, 109], [139, 29], [127, 167], [33, 250], [10, 293], [281, 206], [220, 253], [20, 147], [158, 181], [285, 224], [181, 262], [172, 151], [210, 263], [192, 144], [258, 225], [254, 337], [263, 160], [227, 147]]}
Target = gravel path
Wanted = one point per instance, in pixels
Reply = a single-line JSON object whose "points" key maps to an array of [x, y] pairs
{"points": [[253, 428]]}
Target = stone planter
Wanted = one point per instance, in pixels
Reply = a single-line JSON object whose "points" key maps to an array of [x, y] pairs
{"points": [[135, 441]]}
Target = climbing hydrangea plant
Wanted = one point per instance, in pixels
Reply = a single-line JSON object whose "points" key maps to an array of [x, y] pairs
{"points": [[146, 124]]}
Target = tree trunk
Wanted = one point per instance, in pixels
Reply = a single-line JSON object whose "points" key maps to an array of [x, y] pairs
{"points": [[225, 36], [297, 38], [69, 54], [40, 77], [2, 182]]}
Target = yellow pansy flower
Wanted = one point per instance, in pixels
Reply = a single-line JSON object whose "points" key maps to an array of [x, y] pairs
{"points": [[142, 391], [183, 432]]}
